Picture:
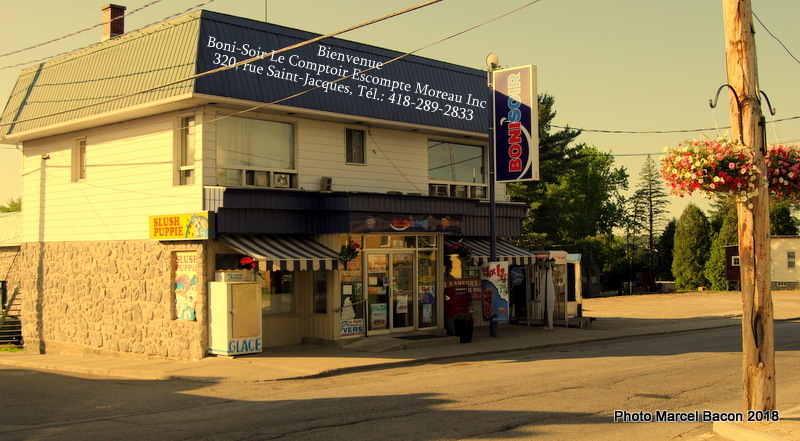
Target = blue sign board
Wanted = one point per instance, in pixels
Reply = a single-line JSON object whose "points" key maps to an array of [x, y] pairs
{"points": [[516, 132], [337, 76]]}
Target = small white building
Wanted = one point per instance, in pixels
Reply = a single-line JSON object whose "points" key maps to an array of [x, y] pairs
{"points": [[784, 252], [783, 255]]}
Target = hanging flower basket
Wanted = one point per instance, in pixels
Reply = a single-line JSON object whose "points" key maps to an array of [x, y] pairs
{"points": [[725, 165], [783, 171], [711, 166], [463, 250], [350, 251]]}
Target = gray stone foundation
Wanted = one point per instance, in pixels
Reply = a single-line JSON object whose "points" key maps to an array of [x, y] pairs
{"points": [[107, 298]]}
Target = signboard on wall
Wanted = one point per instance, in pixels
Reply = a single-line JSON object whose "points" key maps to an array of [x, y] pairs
{"points": [[185, 226], [420, 223], [516, 131], [337, 76], [494, 287], [185, 264]]}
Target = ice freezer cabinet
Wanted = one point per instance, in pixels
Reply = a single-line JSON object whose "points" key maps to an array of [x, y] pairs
{"points": [[234, 318]]}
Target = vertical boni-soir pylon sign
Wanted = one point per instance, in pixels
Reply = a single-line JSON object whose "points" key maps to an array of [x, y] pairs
{"points": [[514, 157], [515, 121]]}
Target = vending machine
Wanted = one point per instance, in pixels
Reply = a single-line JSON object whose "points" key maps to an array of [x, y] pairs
{"points": [[234, 318]]}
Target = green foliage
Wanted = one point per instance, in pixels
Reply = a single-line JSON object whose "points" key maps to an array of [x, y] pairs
{"points": [[691, 249], [579, 192], [13, 205], [724, 231], [665, 246], [605, 255], [651, 203], [781, 221]]}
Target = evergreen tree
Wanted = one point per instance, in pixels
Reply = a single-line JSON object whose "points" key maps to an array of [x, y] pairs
{"points": [[653, 205], [666, 243], [691, 249], [13, 205]]}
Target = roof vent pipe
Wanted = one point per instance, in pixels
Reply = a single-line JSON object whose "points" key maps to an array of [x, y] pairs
{"points": [[113, 21]]}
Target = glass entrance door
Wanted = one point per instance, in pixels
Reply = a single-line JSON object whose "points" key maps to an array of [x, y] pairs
{"points": [[390, 291]]}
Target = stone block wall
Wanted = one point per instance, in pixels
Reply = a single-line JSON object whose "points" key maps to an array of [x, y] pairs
{"points": [[113, 298]]}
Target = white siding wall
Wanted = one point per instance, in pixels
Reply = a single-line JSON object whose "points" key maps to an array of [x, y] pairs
{"points": [[780, 271], [129, 177], [395, 160], [130, 173]]}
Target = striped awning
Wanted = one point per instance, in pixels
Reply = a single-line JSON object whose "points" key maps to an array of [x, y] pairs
{"points": [[505, 251], [284, 253]]}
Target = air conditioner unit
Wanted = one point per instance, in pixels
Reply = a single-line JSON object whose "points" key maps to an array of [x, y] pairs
{"points": [[325, 183], [281, 180]]}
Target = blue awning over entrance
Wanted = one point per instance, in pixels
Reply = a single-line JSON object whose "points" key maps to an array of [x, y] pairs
{"points": [[284, 253], [505, 251]]}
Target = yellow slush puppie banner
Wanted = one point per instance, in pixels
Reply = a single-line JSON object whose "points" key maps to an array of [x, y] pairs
{"points": [[186, 226]]}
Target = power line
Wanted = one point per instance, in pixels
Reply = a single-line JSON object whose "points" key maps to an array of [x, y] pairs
{"points": [[776, 38], [76, 32], [40, 60]]}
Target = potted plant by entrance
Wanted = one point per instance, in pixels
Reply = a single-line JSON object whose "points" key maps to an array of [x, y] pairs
{"points": [[464, 324]]}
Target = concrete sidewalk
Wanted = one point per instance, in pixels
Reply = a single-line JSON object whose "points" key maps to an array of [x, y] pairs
{"points": [[616, 317]]}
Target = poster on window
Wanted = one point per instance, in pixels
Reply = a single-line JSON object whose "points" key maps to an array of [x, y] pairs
{"points": [[185, 263], [352, 327], [401, 304], [378, 317]]}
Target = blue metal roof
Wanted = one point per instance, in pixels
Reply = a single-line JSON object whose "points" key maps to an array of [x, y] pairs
{"points": [[159, 62]]}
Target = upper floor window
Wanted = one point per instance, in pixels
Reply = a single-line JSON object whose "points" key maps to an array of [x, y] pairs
{"points": [[186, 149], [790, 259], [253, 152], [79, 160], [456, 170], [355, 146]]}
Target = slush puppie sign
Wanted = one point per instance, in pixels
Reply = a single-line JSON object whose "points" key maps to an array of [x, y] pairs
{"points": [[186, 226]]}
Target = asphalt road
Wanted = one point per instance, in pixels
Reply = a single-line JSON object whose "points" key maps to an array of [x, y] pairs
{"points": [[564, 393]]}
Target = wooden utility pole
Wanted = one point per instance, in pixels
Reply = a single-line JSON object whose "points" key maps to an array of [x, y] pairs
{"points": [[747, 122]]}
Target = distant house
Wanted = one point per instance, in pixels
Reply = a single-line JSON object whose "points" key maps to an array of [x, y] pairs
{"points": [[785, 273]]}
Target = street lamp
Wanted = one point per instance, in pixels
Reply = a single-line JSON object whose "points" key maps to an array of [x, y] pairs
{"points": [[492, 62]]}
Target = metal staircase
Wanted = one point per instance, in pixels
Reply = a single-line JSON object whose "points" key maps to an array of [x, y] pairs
{"points": [[10, 324]]}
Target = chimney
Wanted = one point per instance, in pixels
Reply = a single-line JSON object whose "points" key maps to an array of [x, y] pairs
{"points": [[113, 21]]}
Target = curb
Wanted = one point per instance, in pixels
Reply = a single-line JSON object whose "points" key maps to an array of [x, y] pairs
{"points": [[739, 432]]}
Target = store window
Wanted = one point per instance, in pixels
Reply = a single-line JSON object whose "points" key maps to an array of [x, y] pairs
{"points": [[352, 289], [277, 293], [255, 153], [79, 160], [456, 170], [355, 146], [185, 145], [321, 292]]}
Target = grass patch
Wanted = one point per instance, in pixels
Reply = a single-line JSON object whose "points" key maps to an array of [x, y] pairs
{"points": [[10, 349]]}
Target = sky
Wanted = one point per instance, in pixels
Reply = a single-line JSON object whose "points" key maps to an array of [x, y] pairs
{"points": [[631, 67]]}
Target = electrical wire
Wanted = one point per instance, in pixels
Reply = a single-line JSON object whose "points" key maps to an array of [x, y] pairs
{"points": [[64, 37], [236, 65], [776, 38], [41, 60]]}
